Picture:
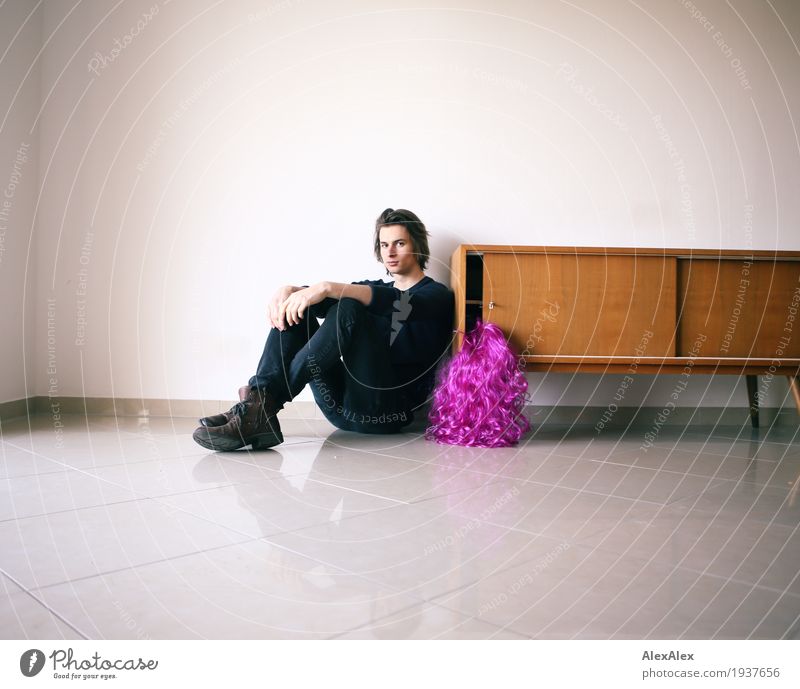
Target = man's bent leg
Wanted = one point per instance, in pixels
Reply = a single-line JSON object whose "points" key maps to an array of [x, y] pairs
{"points": [[357, 392], [279, 349]]}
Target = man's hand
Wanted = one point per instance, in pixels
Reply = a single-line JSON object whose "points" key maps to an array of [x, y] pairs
{"points": [[274, 305], [293, 307]]}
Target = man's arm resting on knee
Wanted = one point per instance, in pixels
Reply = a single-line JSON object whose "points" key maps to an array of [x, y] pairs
{"points": [[336, 291], [294, 307], [347, 290]]}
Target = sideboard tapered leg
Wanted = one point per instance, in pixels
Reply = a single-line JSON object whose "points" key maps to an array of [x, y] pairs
{"points": [[752, 387], [794, 385]]}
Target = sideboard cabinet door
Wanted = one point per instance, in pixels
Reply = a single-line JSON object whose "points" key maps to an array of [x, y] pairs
{"points": [[582, 304], [738, 308]]}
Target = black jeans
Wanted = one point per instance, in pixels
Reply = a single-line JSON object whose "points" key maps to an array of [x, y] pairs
{"points": [[357, 392]]}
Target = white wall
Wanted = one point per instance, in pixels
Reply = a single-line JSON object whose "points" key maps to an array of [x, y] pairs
{"points": [[20, 40], [229, 147]]}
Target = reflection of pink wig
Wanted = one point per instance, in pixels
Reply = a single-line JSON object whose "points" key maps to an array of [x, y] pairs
{"points": [[480, 395]]}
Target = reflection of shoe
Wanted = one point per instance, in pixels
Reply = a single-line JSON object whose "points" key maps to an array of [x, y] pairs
{"points": [[222, 419], [253, 422]]}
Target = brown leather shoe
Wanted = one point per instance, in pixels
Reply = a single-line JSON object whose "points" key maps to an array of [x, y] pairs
{"points": [[253, 422], [222, 419]]}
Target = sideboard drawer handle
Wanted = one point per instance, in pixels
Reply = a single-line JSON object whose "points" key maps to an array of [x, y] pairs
{"points": [[491, 305]]}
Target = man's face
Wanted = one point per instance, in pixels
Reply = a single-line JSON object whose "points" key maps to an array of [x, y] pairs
{"points": [[397, 250]]}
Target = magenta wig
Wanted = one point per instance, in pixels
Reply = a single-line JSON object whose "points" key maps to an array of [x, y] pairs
{"points": [[480, 395]]}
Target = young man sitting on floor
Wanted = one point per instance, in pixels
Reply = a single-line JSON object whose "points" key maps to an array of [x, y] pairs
{"points": [[370, 363]]}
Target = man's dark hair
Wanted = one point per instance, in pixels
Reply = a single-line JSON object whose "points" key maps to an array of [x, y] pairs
{"points": [[416, 230]]}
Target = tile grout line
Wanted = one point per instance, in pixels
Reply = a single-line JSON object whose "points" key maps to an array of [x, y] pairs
{"points": [[31, 594]]}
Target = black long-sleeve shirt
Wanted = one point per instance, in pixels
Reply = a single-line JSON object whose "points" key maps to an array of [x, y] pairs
{"points": [[418, 323]]}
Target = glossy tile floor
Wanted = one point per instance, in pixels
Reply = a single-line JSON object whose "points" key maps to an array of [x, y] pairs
{"points": [[124, 528]]}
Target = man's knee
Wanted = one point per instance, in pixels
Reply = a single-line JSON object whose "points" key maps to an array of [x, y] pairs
{"points": [[347, 313], [350, 313], [351, 308]]}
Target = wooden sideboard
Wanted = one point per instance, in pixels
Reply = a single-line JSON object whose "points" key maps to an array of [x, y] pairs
{"points": [[628, 310]]}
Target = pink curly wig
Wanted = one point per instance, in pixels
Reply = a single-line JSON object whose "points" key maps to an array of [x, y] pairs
{"points": [[480, 395]]}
